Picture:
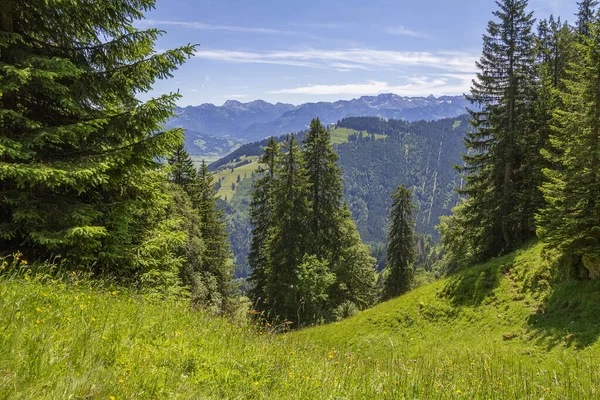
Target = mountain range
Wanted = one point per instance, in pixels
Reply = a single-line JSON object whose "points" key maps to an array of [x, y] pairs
{"points": [[214, 131]]}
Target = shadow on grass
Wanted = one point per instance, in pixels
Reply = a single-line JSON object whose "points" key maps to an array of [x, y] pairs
{"points": [[568, 316], [471, 287]]}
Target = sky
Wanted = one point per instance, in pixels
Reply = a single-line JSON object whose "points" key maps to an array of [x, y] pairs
{"points": [[325, 50]]}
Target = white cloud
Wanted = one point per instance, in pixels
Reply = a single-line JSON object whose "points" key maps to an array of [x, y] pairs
{"points": [[349, 59], [413, 86], [404, 31], [211, 27], [235, 96]]}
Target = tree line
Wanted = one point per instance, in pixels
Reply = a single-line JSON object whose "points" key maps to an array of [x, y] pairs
{"points": [[83, 174], [531, 166], [307, 258]]}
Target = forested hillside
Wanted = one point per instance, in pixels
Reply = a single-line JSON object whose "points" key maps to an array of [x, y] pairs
{"points": [[117, 254], [381, 155]]}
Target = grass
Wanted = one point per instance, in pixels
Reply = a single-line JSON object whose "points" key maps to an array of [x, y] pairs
{"points": [[340, 135], [230, 177], [494, 331]]}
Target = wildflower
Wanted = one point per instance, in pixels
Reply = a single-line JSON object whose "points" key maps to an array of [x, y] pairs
{"points": [[38, 309], [113, 293], [81, 306], [121, 380], [24, 262], [458, 391], [112, 398], [37, 321], [256, 383], [92, 319], [26, 277]]}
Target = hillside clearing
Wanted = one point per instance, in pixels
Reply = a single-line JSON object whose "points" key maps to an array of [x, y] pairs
{"points": [[483, 333]]}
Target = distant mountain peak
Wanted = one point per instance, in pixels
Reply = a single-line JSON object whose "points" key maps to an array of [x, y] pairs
{"points": [[258, 119]]}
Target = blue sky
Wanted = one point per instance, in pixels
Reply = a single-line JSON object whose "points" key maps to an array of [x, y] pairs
{"points": [[326, 50]]}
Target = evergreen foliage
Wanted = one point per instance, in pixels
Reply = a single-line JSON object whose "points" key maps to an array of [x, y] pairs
{"points": [[290, 233], [401, 250], [325, 180], [586, 14], [498, 213], [80, 168], [216, 260], [569, 221], [206, 267], [261, 219]]}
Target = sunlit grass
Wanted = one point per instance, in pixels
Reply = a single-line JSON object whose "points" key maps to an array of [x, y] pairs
{"points": [[471, 336]]}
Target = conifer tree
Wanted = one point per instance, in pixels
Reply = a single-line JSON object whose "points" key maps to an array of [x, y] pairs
{"points": [[495, 169], [585, 15], [217, 258], [325, 179], [570, 219], [80, 171], [354, 269], [554, 53], [260, 218], [290, 233], [401, 245], [183, 172]]}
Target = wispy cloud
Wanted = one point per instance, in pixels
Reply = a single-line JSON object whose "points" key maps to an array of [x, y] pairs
{"points": [[212, 27], [404, 31], [413, 86], [235, 96], [350, 59]]}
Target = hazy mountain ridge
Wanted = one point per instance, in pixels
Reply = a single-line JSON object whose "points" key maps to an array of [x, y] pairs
{"points": [[247, 122]]}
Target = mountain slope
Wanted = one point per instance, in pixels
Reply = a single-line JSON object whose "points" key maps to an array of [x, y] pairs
{"points": [[388, 106], [374, 161], [247, 122], [494, 331]]}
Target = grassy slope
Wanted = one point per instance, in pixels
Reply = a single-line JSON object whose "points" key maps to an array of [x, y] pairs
{"points": [[494, 331], [231, 177], [338, 135]]}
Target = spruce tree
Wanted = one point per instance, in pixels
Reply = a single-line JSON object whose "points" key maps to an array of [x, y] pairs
{"points": [[570, 219], [325, 179], [217, 258], [401, 250], [354, 269], [80, 170], [260, 218], [585, 15], [497, 214], [183, 172], [290, 233]]}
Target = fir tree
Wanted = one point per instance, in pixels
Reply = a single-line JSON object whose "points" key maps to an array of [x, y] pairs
{"points": [[260, 218], [570, 219], [217, 258], [183, 172], [585, 15], [80, 169], [354, 269], [401, 245], [325, 179], [495, 169], [290, 233]]}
